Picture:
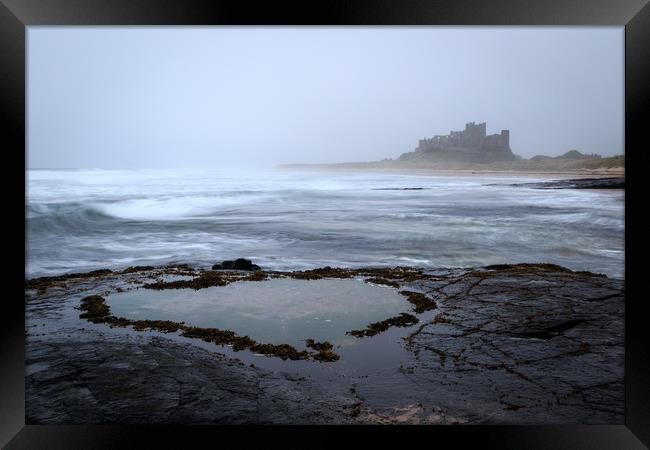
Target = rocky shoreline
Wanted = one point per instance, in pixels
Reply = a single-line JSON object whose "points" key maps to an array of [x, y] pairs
{"points": [[577, 183], [520, 344]]}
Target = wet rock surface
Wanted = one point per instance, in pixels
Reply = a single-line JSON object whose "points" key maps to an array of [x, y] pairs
{"points": [[401, 189], [521, 344], [100, 378], [510, 346], [579, 183], [238, 264]]}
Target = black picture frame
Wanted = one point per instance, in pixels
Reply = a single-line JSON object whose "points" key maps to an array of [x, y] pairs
{"points": [[634, 15]]}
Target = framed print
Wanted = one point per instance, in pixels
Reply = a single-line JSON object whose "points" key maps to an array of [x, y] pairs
{"points": [[251, 220]]}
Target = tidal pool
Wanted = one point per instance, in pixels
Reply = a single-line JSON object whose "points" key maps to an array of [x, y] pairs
{"points": [[277, 311]]}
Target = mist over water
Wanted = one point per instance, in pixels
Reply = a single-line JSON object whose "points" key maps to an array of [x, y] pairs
{"points": [[81, 220]]}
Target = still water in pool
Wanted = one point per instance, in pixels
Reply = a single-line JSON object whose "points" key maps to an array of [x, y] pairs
{"points": [[276, 311]]}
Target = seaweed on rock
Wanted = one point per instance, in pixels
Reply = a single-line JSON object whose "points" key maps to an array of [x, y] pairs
{"points": [[324, 350], [420, 301], [534, 267], [134, 269], [207, 279], [204, 280], [96, 310], [322, 272], [401, 320], [43, 283]]}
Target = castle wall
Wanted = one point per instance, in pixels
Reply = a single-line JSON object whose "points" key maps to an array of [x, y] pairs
{"points": [[473, 136]]}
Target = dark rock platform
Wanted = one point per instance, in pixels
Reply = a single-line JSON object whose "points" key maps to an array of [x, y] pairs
{"points": [[578, 183], [237, 264], [104, 378], [507, 344]]}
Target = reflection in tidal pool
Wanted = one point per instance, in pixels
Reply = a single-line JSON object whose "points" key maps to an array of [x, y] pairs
{"points": [[276, 311]]}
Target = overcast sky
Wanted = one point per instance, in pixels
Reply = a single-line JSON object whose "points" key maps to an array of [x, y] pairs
{"points": [[167, 97]]}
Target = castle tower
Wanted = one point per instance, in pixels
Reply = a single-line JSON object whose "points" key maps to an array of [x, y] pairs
{"points": [[473, 135], [505, 138]]}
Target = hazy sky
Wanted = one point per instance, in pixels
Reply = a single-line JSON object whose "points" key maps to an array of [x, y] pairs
{"points": [[166, 97]]}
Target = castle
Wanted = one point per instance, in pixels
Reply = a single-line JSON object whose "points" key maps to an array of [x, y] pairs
{"points": [[474, 136], [470, 145]]}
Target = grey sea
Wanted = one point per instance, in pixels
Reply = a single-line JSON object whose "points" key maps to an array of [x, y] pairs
{"points": [[80, 220]]}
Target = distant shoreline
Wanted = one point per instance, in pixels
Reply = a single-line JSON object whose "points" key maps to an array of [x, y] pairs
{"points": [[578, 173]]}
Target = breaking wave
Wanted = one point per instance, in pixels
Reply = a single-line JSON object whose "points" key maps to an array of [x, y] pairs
{"points": [[78, 220]]}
